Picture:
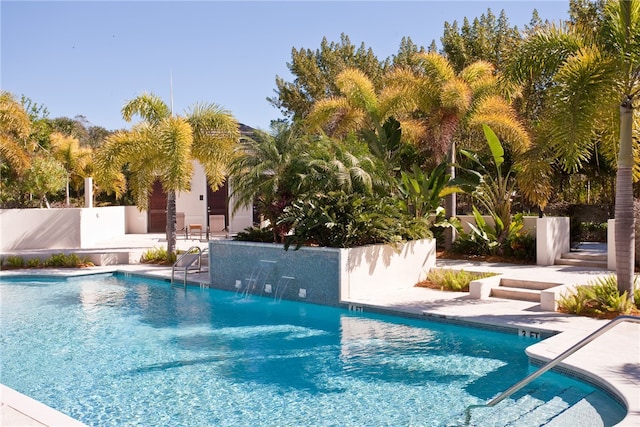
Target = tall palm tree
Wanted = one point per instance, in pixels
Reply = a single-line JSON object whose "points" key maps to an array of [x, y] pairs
{"points": [[75, 159], [593, 76], [162, 147], [441, 108]]}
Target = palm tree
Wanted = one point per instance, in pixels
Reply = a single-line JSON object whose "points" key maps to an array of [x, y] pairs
{"points": [[266, 172], [75, 159], [441, 108], [359, 110], [15, 128], [162, 147], [593, 76]]}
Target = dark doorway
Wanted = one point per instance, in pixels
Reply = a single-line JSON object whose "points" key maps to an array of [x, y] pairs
{"points": [[218, 202], [157, 221]]}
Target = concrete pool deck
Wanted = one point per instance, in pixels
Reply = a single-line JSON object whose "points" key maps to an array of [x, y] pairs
{"points": [[611, 361]]}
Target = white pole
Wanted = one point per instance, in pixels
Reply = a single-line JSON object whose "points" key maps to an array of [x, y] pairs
{"points": [[88, 192], [171, 90]]}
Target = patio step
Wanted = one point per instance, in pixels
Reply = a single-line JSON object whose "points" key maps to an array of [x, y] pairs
{"points": [[521, 290], [583, 259]]}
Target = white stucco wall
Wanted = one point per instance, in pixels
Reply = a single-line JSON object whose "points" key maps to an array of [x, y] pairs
{"points": [[194, 203], [67, 228], [372, 267], [552, 239]]}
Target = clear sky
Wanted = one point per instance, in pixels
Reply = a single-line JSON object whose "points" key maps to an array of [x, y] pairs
{"points": [[90, 57]]}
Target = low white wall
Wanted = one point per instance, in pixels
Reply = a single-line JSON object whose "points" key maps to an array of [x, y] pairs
{"points": [[371, 268], [552, 239], [67, 228], [135, 221], [99, 224]]}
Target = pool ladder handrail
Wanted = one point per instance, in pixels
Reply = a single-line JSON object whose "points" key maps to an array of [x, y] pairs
{"points": [[553, 362], [186, 260]]}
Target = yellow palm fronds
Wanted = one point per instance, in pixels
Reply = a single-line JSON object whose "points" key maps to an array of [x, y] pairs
{"points": [[358, 89], [15, 127], [456, 95], [501, 118], [479, 70], [435, 66]]}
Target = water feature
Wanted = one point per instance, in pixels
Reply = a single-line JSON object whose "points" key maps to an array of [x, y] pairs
{"points": [[113, 351], [258, 278]]}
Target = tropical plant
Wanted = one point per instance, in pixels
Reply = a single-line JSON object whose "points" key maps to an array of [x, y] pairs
{"points": [[45, 176], [344, 220], [441, 108], [163, 147], [266, 172], [13, 261], [492, 238], [599, 298], [76, 160], [452, 280], [495, 189], [67, 261], [422, 193], [15, 129], [158, 256], [592, 73]]}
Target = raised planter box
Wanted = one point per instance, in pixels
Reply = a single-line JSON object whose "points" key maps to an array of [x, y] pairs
{"points": [[328, 276]]}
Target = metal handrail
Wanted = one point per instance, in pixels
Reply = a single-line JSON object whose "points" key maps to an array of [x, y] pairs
{"points": [[555, 361], [188, 263]]}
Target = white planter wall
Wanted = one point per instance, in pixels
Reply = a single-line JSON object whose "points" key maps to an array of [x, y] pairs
{"points": [[66, 228]]}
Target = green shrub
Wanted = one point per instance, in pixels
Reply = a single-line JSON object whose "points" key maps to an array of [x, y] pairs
{"points": [[342, 220], [483, 240], [66, 261], [600, 298], [454, 280], [256, 234], [157, 256], [34, 263], [13, 261]]}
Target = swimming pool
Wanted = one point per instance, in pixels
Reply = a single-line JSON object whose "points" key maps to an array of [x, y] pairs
{"points": [[109, 350]]}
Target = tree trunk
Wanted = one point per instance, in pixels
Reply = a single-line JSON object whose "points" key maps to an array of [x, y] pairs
{"points": [[450, 202], [625, 221], [171, 222]]}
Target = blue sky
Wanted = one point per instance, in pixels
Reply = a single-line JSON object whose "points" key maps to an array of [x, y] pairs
{"points": [[90, 57]]}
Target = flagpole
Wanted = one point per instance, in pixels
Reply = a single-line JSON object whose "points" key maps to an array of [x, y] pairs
{"points": [[171, 90]]}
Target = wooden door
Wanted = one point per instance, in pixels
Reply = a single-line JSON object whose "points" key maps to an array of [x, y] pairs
{"points": [[218, 202], [157, 222]]}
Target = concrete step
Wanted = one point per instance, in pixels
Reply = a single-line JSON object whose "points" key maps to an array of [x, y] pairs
{"points": [[582, 263], [585, 255], [519, 294], [527, 284]]}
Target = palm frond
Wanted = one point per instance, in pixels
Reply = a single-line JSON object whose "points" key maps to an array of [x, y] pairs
{"points": [[456, 95], [148, 106], [435, 66], [540, 54], [581, 91], [358, 89], [478, 70], [500, 116], [176, 138]]}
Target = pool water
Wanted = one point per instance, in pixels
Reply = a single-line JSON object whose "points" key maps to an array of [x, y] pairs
{"points": [[115, 351]]}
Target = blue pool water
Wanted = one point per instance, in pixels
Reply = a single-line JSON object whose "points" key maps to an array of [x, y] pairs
{"points": [[111, 351]]}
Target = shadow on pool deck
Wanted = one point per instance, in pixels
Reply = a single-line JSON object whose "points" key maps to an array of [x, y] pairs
{"points": [[611, 361]]}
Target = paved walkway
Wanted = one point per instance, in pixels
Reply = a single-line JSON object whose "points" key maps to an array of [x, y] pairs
{"points": [[612, 360]]}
